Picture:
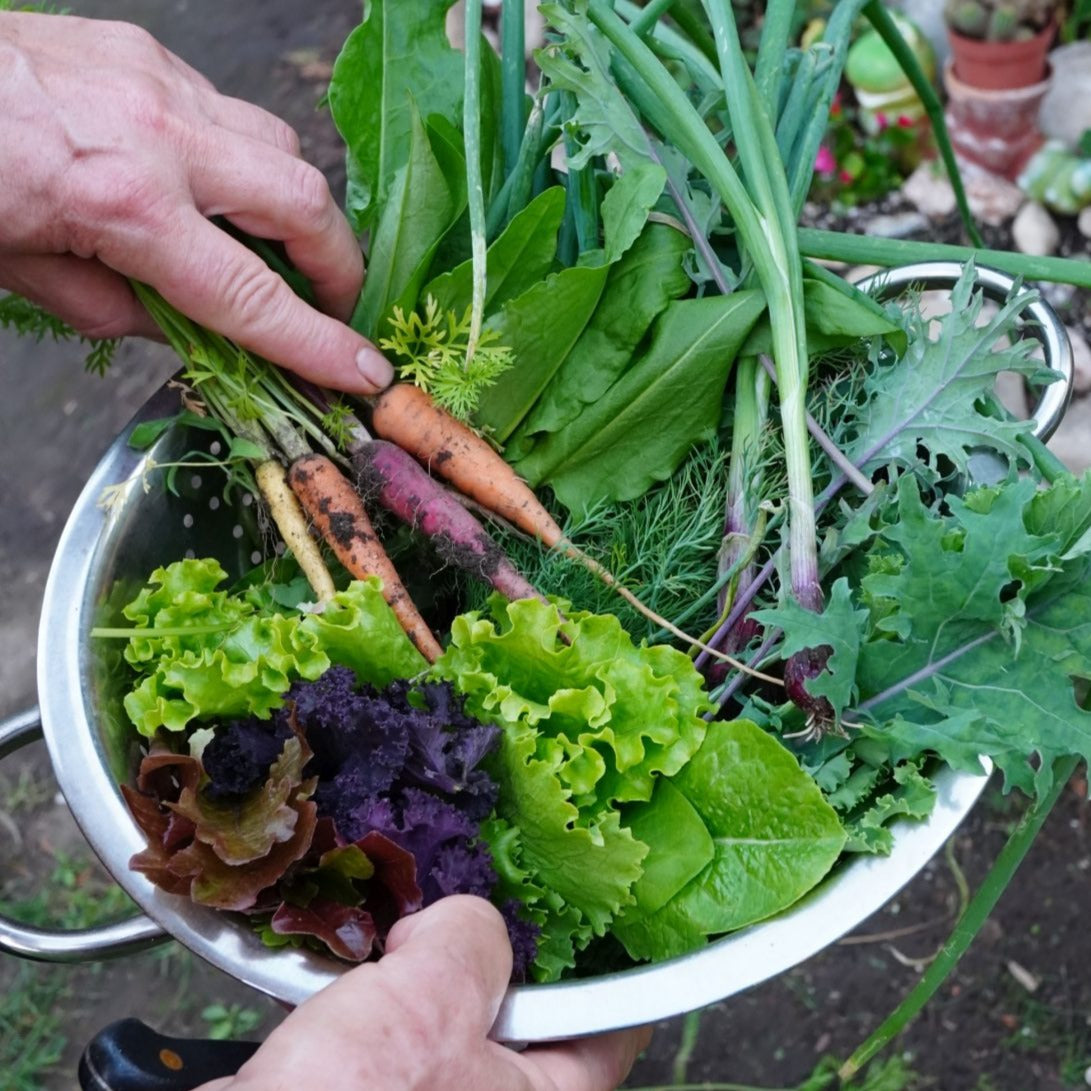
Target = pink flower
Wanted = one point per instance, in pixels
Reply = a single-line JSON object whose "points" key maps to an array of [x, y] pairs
{"points": [[905, 122], [824, 161], [845, 176], [881, 121]]}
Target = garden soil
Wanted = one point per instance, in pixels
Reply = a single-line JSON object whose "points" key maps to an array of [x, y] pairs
{"points": [[1015, 1016]]}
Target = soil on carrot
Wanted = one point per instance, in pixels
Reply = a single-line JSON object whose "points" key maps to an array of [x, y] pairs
{"points": [[1015, 1016]]}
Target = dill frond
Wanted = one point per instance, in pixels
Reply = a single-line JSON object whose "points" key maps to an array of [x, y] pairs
{"points": [[26, 319]]}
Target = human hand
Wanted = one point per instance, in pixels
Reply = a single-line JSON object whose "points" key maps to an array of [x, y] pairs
{"points": [[113, 156], [417, 1020]]}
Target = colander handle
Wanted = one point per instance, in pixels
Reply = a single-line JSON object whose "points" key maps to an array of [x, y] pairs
{"points": [[50, 945]]}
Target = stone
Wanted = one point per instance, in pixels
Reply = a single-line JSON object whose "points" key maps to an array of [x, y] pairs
{"points": [[929, 191], [1083, 222], [1034, 232], [1081, 362], [1012, 392], [897, 225], [992, 199], [1066, 110], [1071, 443]]}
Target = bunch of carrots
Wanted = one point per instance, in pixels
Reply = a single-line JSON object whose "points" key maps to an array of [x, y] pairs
{"points": [[322, 494], [328, 489]]}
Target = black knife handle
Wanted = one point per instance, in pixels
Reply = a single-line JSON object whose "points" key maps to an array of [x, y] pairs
{"points": [[129, 1056]]}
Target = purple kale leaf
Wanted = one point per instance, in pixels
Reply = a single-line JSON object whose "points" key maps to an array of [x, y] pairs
{"points": [[447, 745], [441, 837], [238, 756]]}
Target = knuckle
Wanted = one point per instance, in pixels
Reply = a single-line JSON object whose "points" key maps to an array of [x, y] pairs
{"points": [[286, 138], [106, 198], [309, 194], [253, 296]]}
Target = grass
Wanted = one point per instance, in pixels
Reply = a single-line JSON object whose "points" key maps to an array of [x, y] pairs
{"points": [[32, 1006], [1052, 1029]]}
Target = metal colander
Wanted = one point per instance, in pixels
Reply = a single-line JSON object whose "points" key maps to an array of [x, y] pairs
{"points": [[102, 560]]}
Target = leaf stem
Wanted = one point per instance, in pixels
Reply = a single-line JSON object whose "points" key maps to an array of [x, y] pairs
{"points": [[883, 22], [864, 250], [977, 912], [475, 186], [513, 79]]}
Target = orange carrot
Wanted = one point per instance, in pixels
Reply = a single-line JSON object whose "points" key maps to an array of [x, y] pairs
{"points": [[407, 416], [338, 514]]}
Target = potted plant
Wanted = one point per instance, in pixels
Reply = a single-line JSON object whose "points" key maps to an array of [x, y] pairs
{"points": [[1000, 44], [996, 78]]}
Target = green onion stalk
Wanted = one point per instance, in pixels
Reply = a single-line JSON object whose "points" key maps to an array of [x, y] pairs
{"points": [[762, 211]]}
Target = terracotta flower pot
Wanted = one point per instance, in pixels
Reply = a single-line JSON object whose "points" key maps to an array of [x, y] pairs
{"points": [[996, 129], [996, 66]]}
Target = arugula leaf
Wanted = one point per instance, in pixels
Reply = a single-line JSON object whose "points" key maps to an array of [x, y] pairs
{"points": [[395, 67], [639, 431], [774, 838], [581, 64]]}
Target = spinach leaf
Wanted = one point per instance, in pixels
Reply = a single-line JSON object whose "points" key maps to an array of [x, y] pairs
{"points": [[642, 427], [638, 289], [518, 259], [397, 64], [423, 205], [540, 326]]}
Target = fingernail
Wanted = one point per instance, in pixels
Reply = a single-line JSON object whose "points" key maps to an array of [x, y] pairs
{"points": [[374, 367]]}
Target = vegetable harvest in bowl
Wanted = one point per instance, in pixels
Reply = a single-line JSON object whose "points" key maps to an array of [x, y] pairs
{"points": [[786, 553]]}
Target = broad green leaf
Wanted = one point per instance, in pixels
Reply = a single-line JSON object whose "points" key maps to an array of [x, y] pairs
{"points": [[931, 397], [833, 318], [626, 206], [679, 846], [668, 400], [774, 837], [519, 258], [398, 63], [638, 289], [837, 627], [420, 210], [540, 327]]}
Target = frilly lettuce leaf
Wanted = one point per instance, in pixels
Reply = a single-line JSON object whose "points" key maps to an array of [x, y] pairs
{"points": [[238, 661], [608, 715], [359, 630]]}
